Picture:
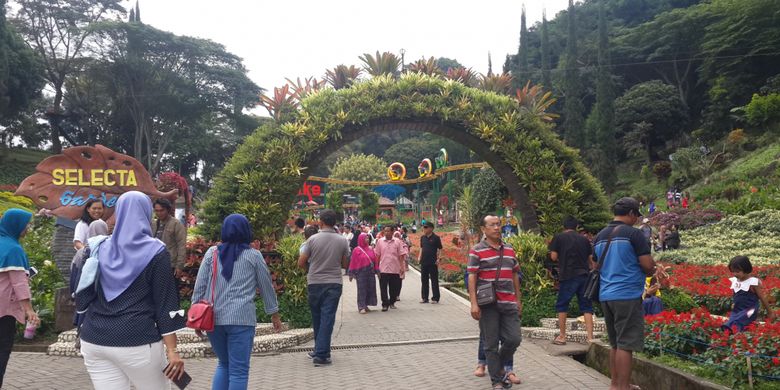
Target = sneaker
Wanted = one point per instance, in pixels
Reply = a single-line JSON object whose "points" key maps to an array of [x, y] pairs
{"points": [[424, 301], [310, 355], [393, 307], [434, 302], [318, 361], [384, 308]]}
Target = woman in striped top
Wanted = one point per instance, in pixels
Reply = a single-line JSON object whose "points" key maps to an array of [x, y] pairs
{"points": [[241, 271]]}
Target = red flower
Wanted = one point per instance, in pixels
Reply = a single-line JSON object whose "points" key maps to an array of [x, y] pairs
{"points": [[776, 361]]}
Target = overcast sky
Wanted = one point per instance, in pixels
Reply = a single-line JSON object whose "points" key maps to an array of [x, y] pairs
{"points": [[289, 38]]}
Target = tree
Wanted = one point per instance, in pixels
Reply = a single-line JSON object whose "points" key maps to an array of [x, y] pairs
{"points": [[21, 73], [486, 193], [445, 64], [601, 121], [647, 115], [522, 51], [58, 31], [573, 122], [545, 55], [175, 89], [360, 167]]}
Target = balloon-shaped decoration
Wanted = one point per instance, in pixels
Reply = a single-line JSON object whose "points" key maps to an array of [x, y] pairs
{"points": [[425, 168], [443, 159], [396, 171]]}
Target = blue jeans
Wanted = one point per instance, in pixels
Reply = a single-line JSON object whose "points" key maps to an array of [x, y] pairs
{"points": [[323, 302], [570, 287], [233, 346]]}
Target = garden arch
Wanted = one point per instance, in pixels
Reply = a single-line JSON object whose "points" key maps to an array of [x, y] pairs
{"points": [[546, 179]]}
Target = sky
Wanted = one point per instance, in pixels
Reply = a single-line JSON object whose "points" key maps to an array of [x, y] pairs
{"points": [[292, 38]]}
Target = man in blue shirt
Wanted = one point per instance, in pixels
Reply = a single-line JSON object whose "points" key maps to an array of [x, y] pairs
{"points": [[623, 269]]}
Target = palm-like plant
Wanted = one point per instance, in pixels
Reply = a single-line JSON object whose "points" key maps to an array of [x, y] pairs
{"points": [[463, 75], [300, 89], [498, 83], [342, 76], [429, 67], [379, 64], [282, 101], [534, 100]]}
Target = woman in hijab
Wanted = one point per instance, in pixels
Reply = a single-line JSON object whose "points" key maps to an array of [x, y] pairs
{"points": [[15, 297], [97, 228], [241, 272], [130, 304], [363, 267]]}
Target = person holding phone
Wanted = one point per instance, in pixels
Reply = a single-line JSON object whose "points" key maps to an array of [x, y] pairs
{"points": [[15, 296], [131, 304]]}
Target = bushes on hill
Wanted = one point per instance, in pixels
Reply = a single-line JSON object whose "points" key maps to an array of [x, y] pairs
{"points": [[686, 219]]}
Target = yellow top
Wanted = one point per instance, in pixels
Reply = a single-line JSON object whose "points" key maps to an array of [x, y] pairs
{"points": [[647, 285]]}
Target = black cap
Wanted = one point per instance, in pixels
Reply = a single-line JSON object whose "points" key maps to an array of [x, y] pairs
{"points": [[625, 205], [428, 224]]}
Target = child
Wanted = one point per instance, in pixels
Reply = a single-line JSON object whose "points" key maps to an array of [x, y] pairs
{"points": [[747, 292]]}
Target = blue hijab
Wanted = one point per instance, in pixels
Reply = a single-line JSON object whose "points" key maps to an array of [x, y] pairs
{"points": [[236, 236], [12, 256], [130, 249]]}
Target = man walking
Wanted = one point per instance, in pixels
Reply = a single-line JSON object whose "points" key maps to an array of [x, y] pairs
{"points": [[573, 253], [430, 245], [170, 231], [326, 253], [626, 260], [391, 255], [492, 261]]}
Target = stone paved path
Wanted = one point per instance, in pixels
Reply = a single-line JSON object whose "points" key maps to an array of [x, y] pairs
{"points": [[416, 363]]}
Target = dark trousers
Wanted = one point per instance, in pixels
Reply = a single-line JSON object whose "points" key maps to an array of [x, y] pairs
{"points": [[498, 325], [430, 271], [323, 303], [389, 288], [7, 334]]}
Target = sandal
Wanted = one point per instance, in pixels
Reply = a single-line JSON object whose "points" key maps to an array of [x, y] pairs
{"points": [[480, 370], [557, 341], [513, 378]]}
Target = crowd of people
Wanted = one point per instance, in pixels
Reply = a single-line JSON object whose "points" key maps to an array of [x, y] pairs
{"points": [[128, 309]]}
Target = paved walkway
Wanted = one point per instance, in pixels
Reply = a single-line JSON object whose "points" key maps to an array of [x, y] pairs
{"points": [[420, 360]]}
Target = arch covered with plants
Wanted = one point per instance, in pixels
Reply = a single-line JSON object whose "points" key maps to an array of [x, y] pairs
{"points": [[546, 179]]}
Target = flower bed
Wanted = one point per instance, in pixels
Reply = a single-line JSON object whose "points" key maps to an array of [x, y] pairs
{"points": [[697, 336], [686, 219], [756, 235], [709, 285]]}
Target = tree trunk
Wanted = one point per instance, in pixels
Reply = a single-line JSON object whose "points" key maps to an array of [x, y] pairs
{"points": [[54, 120]]}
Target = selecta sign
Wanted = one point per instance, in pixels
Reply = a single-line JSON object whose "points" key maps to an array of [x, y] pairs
{"points": [[65, 182]]}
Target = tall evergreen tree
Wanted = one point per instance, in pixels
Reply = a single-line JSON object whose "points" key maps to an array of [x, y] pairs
{"points": [[490, 65], [573, 123], [546, 80], [522, 51], [603, 122], [137, 12]]}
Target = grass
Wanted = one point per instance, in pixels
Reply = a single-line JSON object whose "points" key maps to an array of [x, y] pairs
{"points": [[706, 372], [19, 163]]}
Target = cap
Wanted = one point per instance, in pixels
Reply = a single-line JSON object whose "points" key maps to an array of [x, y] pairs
{"points": [[625, 205], [428, 224]]}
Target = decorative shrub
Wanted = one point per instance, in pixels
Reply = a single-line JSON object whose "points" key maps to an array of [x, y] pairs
{"points": [[662, 170], [8, 201], [263, 175], [677, 300], [293, 298], [531, 250], [686, 219], [37, 245]]}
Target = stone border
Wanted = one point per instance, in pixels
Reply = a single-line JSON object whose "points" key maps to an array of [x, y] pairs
{"points": [[648, 374]]}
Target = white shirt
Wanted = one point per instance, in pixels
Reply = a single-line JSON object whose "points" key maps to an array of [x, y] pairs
{"points": [[82, 230]]}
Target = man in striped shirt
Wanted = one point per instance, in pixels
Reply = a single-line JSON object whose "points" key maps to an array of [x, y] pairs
{"points": [[499, 320]]}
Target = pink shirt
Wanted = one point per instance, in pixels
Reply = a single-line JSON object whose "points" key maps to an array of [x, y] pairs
{"points": [[391, 254], [13, 288]]}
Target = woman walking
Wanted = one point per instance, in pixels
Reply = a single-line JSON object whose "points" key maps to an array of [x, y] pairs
{"points": [[363, 267], [241, 271], [15, 296], [131, 305], [96, 228]]}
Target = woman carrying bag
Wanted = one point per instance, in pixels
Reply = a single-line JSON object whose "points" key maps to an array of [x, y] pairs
{"points": [[241, 271]]}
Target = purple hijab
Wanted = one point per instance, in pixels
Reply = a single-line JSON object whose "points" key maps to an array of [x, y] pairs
{"points": [[124, 255]]}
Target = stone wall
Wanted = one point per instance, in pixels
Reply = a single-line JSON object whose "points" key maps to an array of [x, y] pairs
{"points": [[62, 246]]}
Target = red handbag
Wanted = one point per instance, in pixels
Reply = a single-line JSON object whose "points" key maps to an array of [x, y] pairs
{"points": [[201, 314]]}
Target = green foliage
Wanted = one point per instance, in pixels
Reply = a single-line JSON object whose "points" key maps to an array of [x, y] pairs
{"points": [[8, 200], [412, 150], [487, 191], [677, 300], [21, 73], [763, 109], [37, 245], [369, 201], [293, 301], [359, 167], [556, 180], [531, 250]]}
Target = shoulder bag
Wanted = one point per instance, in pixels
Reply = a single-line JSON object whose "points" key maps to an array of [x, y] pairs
{"points": [[486, 293], [594, 277], [201, 314]]}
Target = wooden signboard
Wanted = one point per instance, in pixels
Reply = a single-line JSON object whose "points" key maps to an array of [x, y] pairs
{"points": [[65, 182]]}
